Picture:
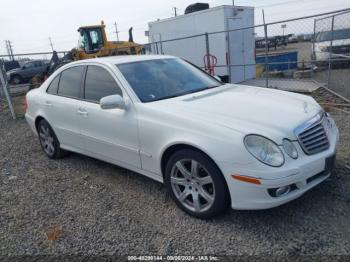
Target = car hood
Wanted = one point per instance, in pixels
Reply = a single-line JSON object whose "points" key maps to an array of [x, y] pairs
{"points": [[246, 109], [13, 71]]}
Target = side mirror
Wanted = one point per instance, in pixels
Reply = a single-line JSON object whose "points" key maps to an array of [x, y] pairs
{"points": [[112, 102]]}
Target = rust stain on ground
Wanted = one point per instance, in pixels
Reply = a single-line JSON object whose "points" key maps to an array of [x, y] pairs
{"points": [[53, 234]]}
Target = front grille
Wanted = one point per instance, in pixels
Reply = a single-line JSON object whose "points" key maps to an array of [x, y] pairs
{"points": [[313, 139]]}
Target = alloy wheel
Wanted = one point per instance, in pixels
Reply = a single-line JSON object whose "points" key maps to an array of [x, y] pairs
{"points": [[16, 80], [47, 140], [192, 185]]}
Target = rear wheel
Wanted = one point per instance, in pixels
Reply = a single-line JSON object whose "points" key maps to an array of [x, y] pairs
{"points": [[196, 184], [48, 141]]}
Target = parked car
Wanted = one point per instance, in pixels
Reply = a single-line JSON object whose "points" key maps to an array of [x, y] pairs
{"points": [[292, 38], [272, 42], [213, 145], [340, 49], [9, 65], [27, 71]]}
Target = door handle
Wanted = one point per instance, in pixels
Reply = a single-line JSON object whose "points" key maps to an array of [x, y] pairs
{"points": [[82, 112], [48, 104]]}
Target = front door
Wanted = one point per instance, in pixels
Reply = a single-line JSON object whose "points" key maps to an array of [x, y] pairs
{"points": [[110, 134]]}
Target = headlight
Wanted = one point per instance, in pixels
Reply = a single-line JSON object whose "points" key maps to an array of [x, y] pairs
{"points": [[290, 148], [324, 48], [264, 150]]}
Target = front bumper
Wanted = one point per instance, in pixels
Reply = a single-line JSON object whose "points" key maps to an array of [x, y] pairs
{"points": [[250, 196], [302, 174]]}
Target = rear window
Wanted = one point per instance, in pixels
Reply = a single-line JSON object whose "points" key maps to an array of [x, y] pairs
{"points": [[70, 82], [53, 87]]}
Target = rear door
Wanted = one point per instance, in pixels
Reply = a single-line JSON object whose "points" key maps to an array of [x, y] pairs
{"points": [[62, 103], [111, 134]]}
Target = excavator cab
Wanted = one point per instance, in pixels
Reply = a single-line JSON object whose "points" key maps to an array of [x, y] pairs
{"points": [[91, 39]]}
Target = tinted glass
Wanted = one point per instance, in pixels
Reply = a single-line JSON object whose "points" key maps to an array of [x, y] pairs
{"points": [[70, 82], [99, 83], [53, 87], [164, 78], [337, 35], [28, 65]]}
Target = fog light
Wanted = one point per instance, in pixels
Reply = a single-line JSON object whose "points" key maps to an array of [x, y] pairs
{"points": [[282, 191]]}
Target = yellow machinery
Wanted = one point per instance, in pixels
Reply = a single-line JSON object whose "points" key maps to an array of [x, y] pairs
{"points": [[93, 42]]}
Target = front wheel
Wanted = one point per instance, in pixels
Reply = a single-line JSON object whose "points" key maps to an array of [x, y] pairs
{"points": [[196, 184], [16, 80]]}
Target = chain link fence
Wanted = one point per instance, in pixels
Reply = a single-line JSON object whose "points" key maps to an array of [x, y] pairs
{"points": [[298, 55], [19, 73], [331, 50]]}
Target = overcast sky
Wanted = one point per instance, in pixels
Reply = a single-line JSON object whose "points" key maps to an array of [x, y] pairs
{"points": [[30, 23]]}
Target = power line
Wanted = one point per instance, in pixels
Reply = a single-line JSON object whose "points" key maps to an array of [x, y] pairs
{"points": [[277, 4]]}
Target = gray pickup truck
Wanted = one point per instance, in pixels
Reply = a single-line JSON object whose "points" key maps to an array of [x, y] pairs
{"points": [[27, 71]]}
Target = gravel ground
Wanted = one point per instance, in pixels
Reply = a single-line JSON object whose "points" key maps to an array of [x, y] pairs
{"points": [[81, 206]]}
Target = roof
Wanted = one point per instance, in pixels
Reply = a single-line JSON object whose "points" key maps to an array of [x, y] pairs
{"points": [[200, 13], [125, 59]]}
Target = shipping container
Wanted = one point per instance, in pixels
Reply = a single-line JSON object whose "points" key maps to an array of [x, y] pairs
{"points": [[236, 47]]}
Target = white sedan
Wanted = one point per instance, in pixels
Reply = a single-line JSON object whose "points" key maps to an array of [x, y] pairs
{"points": [[213, 145]]}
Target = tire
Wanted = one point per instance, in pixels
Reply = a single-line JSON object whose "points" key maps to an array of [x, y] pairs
{"points": [[16, 79], [196, 184], [48, 141]]}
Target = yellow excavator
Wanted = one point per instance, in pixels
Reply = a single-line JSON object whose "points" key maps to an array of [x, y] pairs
{"points": [[93, 43]]}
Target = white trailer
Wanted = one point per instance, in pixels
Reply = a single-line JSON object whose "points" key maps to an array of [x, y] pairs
{"points": [[236, 47]]}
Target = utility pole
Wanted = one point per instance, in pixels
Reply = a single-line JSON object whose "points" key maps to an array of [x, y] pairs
{"points": [[175, 10], [51, 43], [284, 26], [116, 30], [233, 2], [9, 49]]}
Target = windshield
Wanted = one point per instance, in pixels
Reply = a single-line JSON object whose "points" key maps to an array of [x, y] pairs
{"points": [[337, 35], [159, 79]]}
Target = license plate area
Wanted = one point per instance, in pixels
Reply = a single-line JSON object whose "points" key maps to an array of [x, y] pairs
{"points": [[329, 165]]}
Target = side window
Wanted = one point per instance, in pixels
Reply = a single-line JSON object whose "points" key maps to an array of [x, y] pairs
{"points": [[28, 65], [99, 83], [70, 82], [53, 87]]}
